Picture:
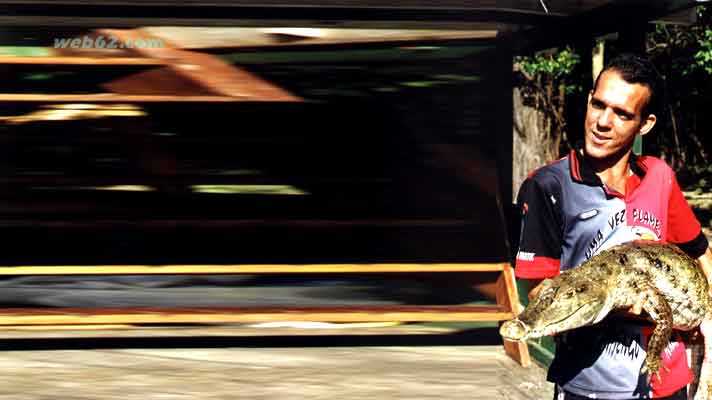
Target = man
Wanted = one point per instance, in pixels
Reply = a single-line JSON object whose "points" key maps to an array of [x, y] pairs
{"points": [[598, 196]]}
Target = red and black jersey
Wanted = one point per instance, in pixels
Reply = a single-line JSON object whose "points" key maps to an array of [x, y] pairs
{"points": [[569, 215]]}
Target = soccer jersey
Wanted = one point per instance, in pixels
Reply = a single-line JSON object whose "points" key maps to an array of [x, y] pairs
{"points": [[569, 215]]}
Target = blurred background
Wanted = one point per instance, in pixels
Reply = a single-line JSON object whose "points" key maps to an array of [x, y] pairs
{"points": [[215, 145], [338, 132]]}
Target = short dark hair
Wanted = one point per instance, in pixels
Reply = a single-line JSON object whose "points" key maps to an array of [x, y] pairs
{"points": [[637, 69]]}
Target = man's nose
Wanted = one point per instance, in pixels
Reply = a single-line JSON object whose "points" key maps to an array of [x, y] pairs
{"points": [[605, 118]]}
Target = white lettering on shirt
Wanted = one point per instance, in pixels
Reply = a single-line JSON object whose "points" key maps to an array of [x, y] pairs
{"points": [[525, 256]]}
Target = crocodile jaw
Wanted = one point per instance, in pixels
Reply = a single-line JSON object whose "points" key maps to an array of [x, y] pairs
{"points": [[514, 330], [518, 330]]}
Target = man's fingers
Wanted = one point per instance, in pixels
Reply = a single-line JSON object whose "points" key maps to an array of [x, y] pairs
{"points": [[637, 308]]}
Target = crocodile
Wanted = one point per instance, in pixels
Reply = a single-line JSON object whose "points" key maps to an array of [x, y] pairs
{"points": [[674, 286]]}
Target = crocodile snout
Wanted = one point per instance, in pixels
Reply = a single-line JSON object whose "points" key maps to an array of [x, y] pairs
{"points": [[514, 330]]}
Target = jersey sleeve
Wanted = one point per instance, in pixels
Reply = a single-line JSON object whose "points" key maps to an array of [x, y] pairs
{"points": [[541, 231], [683, 227]]}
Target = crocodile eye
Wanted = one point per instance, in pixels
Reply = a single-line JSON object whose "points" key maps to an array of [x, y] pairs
{"points": [[581, 289], [544, 301]]}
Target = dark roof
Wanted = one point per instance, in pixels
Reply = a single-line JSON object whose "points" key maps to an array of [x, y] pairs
{"points": [[531, 23]]}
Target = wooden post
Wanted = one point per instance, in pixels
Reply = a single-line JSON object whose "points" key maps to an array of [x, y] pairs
{"points": [[507, 297]]}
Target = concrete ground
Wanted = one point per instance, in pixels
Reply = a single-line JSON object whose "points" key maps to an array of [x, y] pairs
{"points": [[314, 361], [268, 361]]}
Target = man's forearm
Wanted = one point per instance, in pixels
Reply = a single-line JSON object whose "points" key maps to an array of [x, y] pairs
{"points": [[705, 261]]}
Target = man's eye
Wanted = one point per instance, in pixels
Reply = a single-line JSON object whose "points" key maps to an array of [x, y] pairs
{"points": [[596, 104], [624, 116]]}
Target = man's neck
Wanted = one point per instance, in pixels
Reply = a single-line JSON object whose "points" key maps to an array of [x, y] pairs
{"points": [[613, 172]]}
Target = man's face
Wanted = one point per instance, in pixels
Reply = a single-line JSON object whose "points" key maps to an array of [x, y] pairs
{"points": [[613, 116]]}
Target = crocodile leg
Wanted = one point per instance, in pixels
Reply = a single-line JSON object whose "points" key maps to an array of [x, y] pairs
{"points": [[659, 310]]}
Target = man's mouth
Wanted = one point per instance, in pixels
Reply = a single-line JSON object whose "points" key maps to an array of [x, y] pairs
{"points": [[599, 138]]}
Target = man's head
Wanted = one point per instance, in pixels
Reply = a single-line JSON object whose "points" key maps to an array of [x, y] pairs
{"points": [[626, 100]]}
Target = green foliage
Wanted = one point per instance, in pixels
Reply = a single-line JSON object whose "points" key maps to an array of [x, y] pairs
{"points": [[547, 79], [683, 54], [703, 57], [556, 66], [702, 181]]}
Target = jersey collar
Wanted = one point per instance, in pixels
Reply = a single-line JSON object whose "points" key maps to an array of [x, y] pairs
{"points": [[582, 172]]}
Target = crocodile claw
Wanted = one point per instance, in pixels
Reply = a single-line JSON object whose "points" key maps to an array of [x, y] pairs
{"points": [[652, 366]]}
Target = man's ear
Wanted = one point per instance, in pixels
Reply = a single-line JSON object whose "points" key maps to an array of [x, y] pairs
{"points": [[648, 124]]}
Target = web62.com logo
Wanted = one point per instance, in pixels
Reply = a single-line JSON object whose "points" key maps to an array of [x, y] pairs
{"points": [[107, 42]]}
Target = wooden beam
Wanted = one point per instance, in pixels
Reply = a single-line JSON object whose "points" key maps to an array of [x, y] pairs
{"points": [[47, 98], [96, 182], [229, 38], [82, 316], [110, 61], [26, 270], [207, 70], [227, 223], [156, 81]]}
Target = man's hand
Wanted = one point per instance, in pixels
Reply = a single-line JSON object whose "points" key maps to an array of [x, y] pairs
{"points": [[705, 261], [637, 308], [706, 328], [534, 288]]}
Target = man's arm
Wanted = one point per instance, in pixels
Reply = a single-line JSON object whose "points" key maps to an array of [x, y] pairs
{"points": [[705, 261], [541, 230]]}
